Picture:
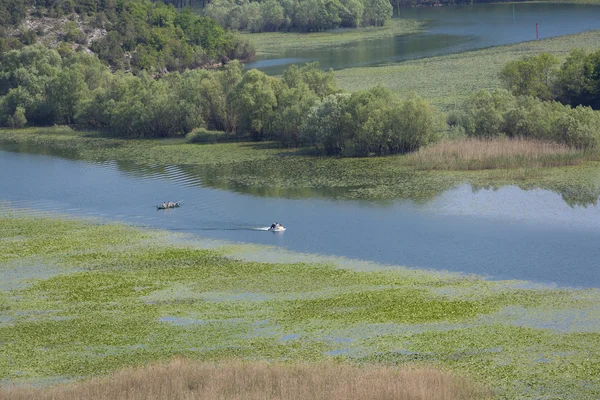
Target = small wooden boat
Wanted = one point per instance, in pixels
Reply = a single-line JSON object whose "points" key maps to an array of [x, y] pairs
{"points": [[174, 205]]}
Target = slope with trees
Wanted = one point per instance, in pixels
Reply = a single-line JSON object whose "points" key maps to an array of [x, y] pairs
{"points": [[126, 34]]}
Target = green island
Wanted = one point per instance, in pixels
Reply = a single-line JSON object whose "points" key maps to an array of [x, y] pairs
{"points": [[150, 86], [165, 295]]}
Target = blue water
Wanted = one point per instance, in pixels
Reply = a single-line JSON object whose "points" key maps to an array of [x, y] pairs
{"points": [[449, 30], [506, 233]]}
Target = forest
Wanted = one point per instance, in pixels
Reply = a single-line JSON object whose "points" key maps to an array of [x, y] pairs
{"points": [[134, 35]]}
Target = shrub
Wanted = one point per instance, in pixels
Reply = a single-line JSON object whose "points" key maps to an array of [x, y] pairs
{"points": [[18, 120]]}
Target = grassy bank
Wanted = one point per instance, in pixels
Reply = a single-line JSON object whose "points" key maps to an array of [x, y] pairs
{"points": [[80, 299], [447, 80], [264, 169], [182, 379], [282, 42]]}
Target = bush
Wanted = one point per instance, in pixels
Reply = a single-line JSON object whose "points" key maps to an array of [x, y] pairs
{"points": [[18, 120], [497, 113], [202, 135], [370, 123]]}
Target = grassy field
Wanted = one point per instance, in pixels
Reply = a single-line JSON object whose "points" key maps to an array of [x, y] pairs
{"points": [[280, 42], [264, 169], [186, 380], [79, 299], [447, 80]]}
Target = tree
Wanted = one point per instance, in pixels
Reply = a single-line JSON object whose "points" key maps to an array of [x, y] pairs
{"points": [[272, 15], [351, 14], [531, 76], [254, 100], [411, 125], [483, 113], [326, 124], [377, 12], [65, 94], [574, 82], [293, 107], [321, 82], [18, 119]]}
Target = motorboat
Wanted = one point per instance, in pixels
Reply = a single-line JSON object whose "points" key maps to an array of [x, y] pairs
{"points": [[173, 205]]}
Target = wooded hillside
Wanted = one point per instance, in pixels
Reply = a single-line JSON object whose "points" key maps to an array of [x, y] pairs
{"points": [[126, 34]]}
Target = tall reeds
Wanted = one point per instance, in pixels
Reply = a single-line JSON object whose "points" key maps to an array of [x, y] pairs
{"points": [[477, 154], [182, 379]]}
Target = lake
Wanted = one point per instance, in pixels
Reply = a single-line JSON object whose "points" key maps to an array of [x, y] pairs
{"points": [[506, 233], [448, 30]]}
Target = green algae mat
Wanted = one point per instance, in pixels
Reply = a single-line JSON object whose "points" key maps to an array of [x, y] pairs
{"points": [[80, 298]]}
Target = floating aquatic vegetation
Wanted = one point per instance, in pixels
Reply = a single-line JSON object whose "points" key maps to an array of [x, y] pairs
{"points": [[125, 298]]}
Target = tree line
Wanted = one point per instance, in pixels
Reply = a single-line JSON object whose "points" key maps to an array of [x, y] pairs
{"points": [[298, 15], [304, 107], [543, 99], [138, 34], [575, 82], [235, 21]]}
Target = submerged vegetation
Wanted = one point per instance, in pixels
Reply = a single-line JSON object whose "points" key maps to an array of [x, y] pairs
{"points": [[81, 299]]}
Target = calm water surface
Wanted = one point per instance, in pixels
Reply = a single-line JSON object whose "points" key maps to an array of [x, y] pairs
{"points": [[450, 30], [504, 234]]}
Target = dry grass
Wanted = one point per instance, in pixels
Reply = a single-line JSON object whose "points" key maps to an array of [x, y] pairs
{"points": [[182, 379], [477, 154]]}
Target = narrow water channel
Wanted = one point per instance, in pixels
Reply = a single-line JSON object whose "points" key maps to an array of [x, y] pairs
{"points": [[507, 233], [449, 30]]}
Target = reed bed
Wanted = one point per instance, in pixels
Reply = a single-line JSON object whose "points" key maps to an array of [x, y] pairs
{"points": [[184, 379], [477, 154]]}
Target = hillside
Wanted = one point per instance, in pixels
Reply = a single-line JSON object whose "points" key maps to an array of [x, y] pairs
{"points": [[131, 35]]}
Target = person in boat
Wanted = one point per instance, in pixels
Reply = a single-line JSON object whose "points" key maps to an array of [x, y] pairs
{"points": [[164, 204], [170, 204], [274, 225]]}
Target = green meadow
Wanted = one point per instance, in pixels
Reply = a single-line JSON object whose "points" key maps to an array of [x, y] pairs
{"points": [[81, 298]]}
